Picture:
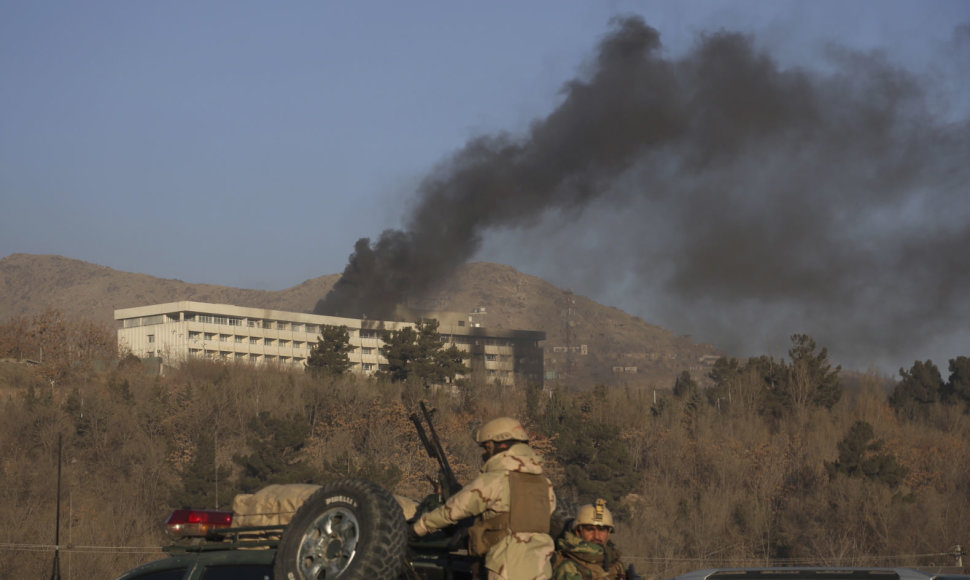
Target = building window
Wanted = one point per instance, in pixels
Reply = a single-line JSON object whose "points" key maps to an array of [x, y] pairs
{"points": [[239, 338], [491, 357], [235, 322], [366, 350], [193, 335], [223, 338], [253, 340], [367, 366], [210, 336], [151, 338]]}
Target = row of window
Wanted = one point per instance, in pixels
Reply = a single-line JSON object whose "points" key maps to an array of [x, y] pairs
{"points": [[477, 341], [256, 340], [240, 356], [252, 322], [284, 343], [142, 321], [238, 339], [295, 327], [266, 358]]}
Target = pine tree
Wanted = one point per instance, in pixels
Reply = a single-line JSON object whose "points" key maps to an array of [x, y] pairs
{"points": [[202, 478], [330, 356], [415, 354], [276, 445], [859, 456], [917, 390], [812, 380], [956, 391]]}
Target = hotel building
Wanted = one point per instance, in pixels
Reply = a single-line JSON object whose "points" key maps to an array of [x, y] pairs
{"points": [[177, 331]]}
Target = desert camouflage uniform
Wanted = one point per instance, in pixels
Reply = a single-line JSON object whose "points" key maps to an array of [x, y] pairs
{"points": [[518, 556], [578, 559]]}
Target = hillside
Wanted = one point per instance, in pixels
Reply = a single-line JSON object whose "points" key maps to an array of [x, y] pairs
{"points": [[607, 345]]}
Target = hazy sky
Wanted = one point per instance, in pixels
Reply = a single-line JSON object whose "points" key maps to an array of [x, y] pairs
{"points": [[251, 144]]}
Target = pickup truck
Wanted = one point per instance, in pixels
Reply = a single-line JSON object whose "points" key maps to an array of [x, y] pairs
{"points": [[350, 529]]}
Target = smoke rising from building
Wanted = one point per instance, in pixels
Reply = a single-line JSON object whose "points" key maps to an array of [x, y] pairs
{"points": [[750, 200]]}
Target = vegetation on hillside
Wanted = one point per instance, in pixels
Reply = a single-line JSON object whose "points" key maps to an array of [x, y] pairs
{"points": [[776, 462]]}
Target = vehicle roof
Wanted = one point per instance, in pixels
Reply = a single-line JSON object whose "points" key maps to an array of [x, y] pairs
{"points": [[810, 573], [206, 558]]}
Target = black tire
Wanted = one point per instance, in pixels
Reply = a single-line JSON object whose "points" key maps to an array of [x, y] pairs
{"points": [[350, 529]]}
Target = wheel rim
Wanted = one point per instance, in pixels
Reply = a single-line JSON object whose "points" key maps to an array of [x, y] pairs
{"points": [[328, 545]]}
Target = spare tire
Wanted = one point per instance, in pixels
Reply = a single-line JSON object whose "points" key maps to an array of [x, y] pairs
{"points": [[350, 529]]}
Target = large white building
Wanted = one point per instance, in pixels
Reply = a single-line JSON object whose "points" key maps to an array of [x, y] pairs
{"points": [[176, 331]]}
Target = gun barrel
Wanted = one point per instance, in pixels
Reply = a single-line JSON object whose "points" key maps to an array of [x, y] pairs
{"points": [[428, 447], [433, 445]]}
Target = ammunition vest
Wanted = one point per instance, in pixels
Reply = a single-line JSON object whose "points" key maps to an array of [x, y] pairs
{"points": [[528, 513]]}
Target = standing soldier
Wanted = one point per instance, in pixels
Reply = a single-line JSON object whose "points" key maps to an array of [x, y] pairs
{"points": [[586, 552], [512, 503]]}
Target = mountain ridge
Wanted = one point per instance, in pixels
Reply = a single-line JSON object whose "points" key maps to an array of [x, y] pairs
{"points": [[587, 343]]}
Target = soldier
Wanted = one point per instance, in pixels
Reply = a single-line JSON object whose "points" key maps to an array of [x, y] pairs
{"points": [[512, 503], [586, 552]]}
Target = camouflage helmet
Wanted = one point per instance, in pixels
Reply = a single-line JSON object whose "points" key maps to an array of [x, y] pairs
{"points": [[594, 514], [502, 429]]}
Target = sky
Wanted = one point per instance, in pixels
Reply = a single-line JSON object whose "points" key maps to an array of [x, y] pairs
{"points": [[755, 170]]}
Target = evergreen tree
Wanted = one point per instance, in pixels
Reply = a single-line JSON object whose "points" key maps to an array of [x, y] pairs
{"points": [[776, 397], [276, 445], [956, 391], [684, 385], [812, 380], [415, 354], [596, 461], [859, 456], [202, 478], [726, 373], [330, 355], [917, 390]]}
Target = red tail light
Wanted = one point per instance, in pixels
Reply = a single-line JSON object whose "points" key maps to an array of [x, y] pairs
{"points": [[184, 523]]}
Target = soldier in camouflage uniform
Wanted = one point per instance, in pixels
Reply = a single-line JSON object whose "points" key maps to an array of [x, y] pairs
{"points": [[512, 503], [586, 552]]}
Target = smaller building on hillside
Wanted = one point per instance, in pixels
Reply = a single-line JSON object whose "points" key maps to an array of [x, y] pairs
{"points": [[177, 331]]}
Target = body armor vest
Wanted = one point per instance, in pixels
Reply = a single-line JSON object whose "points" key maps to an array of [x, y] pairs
{"points": [[528, 513]]}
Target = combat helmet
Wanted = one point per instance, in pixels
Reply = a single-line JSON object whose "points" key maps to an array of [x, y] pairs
{"points": [[594, 514], [502, 429]]}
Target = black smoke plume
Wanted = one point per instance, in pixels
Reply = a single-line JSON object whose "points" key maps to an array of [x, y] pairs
{"points": [[774, 195]]}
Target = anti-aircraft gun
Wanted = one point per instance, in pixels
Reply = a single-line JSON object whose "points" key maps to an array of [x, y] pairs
{"points": [[446, 484]]}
